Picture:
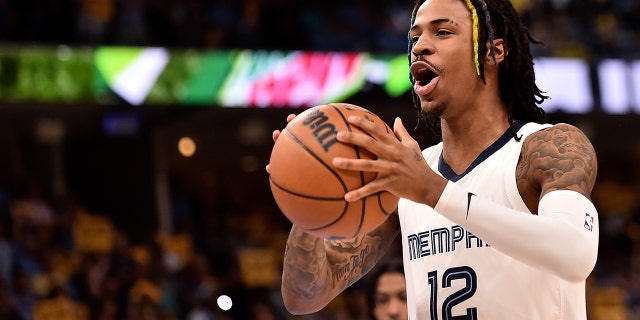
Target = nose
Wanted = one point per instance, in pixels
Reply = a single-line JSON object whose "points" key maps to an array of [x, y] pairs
{"points": [[395, 307], [422, 47]]}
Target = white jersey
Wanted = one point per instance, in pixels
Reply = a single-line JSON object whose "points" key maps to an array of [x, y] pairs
{"points": [[452, 274]]}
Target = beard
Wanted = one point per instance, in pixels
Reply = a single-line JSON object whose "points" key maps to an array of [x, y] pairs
{"points": [[431, 115]]}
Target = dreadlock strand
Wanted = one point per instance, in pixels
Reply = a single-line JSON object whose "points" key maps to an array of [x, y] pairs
{"points": [[490, 33], [474, 19]]}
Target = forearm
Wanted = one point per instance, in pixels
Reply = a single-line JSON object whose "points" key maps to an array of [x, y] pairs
{"points": [[316, 270], [305, 274], [556, 239]]}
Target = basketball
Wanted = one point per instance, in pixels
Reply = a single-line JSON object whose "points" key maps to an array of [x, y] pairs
{"points": [[306, 186]]}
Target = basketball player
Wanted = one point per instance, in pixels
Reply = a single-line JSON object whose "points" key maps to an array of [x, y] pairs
{"points": [[496, 220], [386, 291]]}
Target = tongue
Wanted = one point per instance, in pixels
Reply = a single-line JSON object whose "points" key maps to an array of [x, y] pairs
{"points": [[421, 89]]}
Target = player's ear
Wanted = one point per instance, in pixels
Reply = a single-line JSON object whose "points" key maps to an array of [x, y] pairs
{"points": [[499, 50]]}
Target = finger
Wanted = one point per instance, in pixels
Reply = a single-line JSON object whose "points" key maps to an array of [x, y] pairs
{"points": [[354, 195], [403, 134], [354, 164], [374, 139], [364, 191], [358, 139], [372, 128], [399, 129], [275, 135]]}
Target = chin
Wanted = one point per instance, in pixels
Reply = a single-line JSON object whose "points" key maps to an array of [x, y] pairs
{"points": [[431, 109]]}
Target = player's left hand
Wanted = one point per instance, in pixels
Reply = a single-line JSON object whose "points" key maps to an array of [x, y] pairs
{"points": [[400, 165]]}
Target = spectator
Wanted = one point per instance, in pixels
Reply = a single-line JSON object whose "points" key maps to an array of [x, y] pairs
{"points": [[386, 292]]}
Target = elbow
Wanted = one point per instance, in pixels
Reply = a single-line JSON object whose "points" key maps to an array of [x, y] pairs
{"points": [[297, 305], [579, 266], [577, 275]]}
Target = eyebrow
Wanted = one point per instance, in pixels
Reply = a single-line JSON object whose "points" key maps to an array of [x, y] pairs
{"points": [[436, 22]]}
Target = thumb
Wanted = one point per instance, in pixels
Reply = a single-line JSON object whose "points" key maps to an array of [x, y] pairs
{"points": [[403, 135], [399, 129]]}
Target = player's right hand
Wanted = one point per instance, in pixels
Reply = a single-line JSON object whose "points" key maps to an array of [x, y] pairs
{"points": [[276, 133]]}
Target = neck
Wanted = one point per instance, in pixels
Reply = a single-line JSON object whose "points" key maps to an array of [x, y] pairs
{"points": [[465, 137]]}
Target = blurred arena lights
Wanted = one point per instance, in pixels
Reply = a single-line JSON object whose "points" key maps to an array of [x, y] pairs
{"points": [[186, 147], [224, 302]]}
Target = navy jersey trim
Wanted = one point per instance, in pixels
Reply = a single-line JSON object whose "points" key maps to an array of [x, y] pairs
{"points": [[449, 174]]}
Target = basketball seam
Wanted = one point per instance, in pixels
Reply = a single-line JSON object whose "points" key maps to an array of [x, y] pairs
{"points": [[304, 195], [363, 210], [380, 204], [344, 186], [310, 152], [357, 149]]}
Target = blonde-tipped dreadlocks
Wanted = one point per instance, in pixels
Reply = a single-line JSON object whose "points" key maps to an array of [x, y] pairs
{"points": [[474, 19]]}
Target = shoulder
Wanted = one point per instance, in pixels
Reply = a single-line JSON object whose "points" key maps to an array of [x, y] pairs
{"points": [[562, 135], [559, 157]]}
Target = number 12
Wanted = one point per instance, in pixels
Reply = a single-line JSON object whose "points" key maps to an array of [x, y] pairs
{"points": [[458, 273]]}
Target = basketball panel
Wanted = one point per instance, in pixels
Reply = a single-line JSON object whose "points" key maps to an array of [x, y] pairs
{"points": [[348, 225], [316, 128], [315, 132], [387, 202], [294, 168], [306, 212]]}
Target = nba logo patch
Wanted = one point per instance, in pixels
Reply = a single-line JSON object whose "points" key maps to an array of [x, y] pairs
{"points": [[588, 221]]}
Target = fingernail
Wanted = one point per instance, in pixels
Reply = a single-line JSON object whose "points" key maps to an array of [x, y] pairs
{"points": [[347, 197]]}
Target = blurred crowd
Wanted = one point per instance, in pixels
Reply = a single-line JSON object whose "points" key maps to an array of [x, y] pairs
{"points": [[583, 28], [59, 260], [222, 260]]}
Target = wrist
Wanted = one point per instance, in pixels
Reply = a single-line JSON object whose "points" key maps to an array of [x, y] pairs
{"points": [[435, 191]]}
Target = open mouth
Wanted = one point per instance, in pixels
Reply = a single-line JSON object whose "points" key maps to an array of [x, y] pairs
{"points": [[425, 76], [422, 72]]}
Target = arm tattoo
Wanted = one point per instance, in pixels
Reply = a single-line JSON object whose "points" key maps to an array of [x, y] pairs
{"points": [[313, 264], [558, 158], [352, 259], [353, 263]]}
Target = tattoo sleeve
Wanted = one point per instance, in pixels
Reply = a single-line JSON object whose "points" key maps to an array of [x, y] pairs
{"points": [[559, 158], [316, 268]]}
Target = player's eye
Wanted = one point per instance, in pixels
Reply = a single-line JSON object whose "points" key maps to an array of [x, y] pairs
{"points": [[414, 40], [442, 32]]}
